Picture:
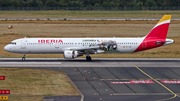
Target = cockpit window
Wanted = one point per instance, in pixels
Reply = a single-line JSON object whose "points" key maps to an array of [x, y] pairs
{"points": [[13, 43]]}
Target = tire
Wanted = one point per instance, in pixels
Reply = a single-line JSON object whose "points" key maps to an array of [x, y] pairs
{"points": [[23, 59], [88, 58]]}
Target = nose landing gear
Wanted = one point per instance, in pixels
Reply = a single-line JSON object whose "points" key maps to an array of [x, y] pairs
{"points": [[23, 58], [88, 58]]}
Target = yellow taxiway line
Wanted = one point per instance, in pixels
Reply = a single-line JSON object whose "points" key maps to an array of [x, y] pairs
{"points": [[175, 95]]}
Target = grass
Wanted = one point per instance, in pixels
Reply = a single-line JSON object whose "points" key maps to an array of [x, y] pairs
{"points": [[25, 99], [90, 14], [21, 30], [79, 30], [36, 82], [84, 21]]}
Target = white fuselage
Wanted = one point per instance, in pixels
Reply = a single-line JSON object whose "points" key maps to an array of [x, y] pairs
{"points": [[36, 45]]}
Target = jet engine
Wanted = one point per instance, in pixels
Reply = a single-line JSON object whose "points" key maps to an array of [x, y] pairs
{"points": [[68, 54]]}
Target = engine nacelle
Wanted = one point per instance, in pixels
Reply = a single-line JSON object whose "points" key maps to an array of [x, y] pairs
{"points": [[70, 54]]}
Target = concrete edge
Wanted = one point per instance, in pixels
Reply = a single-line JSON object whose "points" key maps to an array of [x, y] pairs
{"points": [[82, 96]]}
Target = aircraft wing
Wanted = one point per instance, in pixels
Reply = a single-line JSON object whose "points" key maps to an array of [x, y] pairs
{"points": [[85, 48], [91, 49]]}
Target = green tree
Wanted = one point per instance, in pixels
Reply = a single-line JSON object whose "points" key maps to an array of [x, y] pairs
{"points": [[97, 5], [92, 2], [112, 4], [105, 4], [15, 3], [4, 3], [44, 2], [139, 4], [89, 3], [62, 4], [132, 4], [150, 3], [25, 4], [51, 3], [39, 3], [119, 3], [174, 3], [143, 1], [159, 3], [36, 3], [167, 2], [75, 4], [100, 1]]}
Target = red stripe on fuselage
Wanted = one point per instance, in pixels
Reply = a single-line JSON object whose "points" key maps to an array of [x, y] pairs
{"points": [[159, 33]]}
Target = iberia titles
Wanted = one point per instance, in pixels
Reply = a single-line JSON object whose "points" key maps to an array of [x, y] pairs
{"points": [[50, 41]]}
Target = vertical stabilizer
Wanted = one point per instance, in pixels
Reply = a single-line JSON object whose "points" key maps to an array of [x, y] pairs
{"points": [[157, 36], [161, 28]]}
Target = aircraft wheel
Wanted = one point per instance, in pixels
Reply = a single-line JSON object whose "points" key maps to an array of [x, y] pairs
{"points": [[23, 59], [88, 58]]}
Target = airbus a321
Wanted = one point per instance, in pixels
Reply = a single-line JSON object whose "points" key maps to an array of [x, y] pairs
{"points": [[75, 47]]}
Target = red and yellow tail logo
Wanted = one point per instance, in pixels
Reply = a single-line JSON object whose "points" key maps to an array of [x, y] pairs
{"points": [[161, 28]]}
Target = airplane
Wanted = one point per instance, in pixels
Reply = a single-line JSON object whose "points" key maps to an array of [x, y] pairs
{"points": [[72, 48]]}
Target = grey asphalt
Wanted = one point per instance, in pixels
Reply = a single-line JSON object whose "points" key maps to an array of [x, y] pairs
{"points": [[97, 85], [96, 62], [94, 89], [52, 18]]}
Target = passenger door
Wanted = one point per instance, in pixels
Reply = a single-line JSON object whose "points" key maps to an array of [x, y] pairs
{"points": [[23, 44], [57, 45]]}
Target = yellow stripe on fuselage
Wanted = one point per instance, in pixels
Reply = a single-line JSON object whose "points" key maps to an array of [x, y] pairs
{"points": [[164, 18]]}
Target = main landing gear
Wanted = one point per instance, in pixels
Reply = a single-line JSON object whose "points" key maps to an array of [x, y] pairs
{"points": [[23, 58], [88, 58]]}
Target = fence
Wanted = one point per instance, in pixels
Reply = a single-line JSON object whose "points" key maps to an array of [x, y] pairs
{"points": [[87, 8]]}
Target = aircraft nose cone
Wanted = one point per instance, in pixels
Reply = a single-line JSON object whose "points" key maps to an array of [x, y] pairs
{"points": [[6, 48]]}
